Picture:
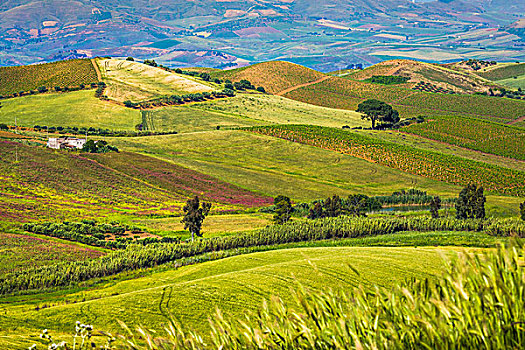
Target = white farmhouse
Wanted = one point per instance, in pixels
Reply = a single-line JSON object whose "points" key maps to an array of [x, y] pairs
{"points": [[65, 143]]}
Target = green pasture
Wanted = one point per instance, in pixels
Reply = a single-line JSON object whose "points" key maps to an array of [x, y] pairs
{"points": [[514, 82], [273, 166], [236, 285], [214, 225], [79, 108], [247, 110]]}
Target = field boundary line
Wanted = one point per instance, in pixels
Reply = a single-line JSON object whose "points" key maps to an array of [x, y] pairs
{"points": [[97, 70], [285, 91], [516, 121]]}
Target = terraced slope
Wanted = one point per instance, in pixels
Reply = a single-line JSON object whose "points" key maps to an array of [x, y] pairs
{"points": [[274, 76], [138, 82], [61, 73], [439, 76]]}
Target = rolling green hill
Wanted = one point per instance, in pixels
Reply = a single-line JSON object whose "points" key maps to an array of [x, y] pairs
{"points": [[236, 285], [79, 108]]}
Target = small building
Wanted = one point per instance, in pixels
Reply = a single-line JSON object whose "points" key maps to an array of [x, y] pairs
{"points": [[65, 143]]}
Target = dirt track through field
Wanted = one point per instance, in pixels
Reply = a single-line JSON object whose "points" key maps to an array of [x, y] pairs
{"points": [[284, 92], [516, 121], [95, 65]]}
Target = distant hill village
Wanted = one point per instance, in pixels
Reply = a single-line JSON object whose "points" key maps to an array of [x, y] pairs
{"points": [[66, 143]]}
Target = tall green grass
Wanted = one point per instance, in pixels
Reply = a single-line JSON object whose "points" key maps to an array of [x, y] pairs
{"points": [[477, 304]]}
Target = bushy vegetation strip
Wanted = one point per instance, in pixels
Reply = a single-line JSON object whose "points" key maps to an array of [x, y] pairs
{"points": [[137, 257], [95, 234], [438, 166]]}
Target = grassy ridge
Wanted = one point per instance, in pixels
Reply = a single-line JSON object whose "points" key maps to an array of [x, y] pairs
{"points": [[437, 166], [61, 73], [505, 72], [274, 76], [248, 110], [475, 134], [347, 94]]}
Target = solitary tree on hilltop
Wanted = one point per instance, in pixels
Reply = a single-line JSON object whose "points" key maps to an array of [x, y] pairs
{"points": [[376, 110], [194, 215]]}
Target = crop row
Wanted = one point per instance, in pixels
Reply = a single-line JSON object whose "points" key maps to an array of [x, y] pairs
{"points": [[475, 134], [62, 73], [137, 257], [438, 166]]}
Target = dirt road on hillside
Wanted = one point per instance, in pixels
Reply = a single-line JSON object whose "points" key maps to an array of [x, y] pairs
{"points": [[284, 92]]}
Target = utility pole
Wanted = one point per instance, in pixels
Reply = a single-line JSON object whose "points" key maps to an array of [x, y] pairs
{"points": [[16, 146]]}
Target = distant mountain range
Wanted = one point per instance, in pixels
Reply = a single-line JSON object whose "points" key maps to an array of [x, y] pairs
{"points": [[322, 34]]}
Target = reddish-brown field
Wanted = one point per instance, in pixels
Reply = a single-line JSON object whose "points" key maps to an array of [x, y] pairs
{"points": [[23, 252]]}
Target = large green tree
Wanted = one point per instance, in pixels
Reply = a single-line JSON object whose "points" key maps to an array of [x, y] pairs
{"points": [[283, 209], [435, 205], [358, 204], [333, 207], [316, 211], [471, 203], [194, 215], [376, 110]]}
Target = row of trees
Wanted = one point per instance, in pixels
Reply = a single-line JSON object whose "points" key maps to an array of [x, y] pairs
{"points": [[100, 146], [97, 131], [180, 99], [470, 204]]}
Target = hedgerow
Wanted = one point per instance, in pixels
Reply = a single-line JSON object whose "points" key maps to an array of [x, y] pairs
{"points": [[137, 257]]}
